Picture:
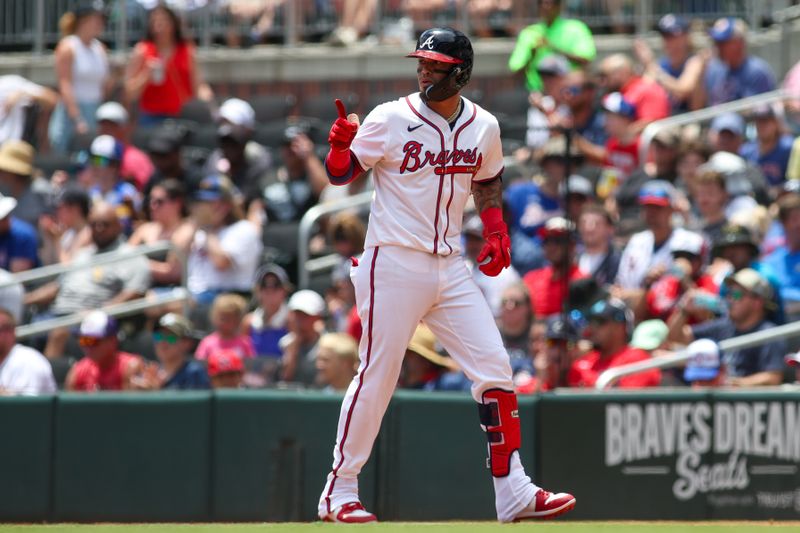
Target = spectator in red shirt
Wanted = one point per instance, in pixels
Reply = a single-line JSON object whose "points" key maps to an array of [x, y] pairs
{"points": [[620, 155], [610, 327], [226, 369], [548, 286], [136, 167], [104, 366], [649, 98]]}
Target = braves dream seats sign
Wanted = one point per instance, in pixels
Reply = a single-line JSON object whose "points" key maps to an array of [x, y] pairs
{"points": [[713, 449]]}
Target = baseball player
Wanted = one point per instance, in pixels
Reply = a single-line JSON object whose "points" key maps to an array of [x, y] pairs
{"points": [[428, 152]]}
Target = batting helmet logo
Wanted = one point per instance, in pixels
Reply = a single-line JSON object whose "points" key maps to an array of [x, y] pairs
{"points": [[429, 43]]}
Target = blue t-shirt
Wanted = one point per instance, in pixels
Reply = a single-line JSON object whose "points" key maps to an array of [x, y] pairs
{"points": [[20, 242], [675, 105], [786, 266], [594, 130], [724, 84], [191, 376], [530, 207], [772, 164]]}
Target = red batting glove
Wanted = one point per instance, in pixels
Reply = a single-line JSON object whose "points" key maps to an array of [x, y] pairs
{"points": [[341, 136], [496, 252]]}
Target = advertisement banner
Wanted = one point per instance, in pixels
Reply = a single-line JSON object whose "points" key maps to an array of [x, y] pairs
{"points": [[682, 455]]}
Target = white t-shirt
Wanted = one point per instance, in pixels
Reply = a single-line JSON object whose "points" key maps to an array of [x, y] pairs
{"points": [[11, 296], [12, 123], [243, 245], [639, 257], [26, 372], [423, 171]]}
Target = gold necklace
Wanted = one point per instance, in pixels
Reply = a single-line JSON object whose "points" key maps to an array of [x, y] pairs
{"points": [[452, 117]]}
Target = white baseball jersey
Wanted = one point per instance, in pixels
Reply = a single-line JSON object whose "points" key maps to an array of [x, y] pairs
{"points": [[423, 171]]}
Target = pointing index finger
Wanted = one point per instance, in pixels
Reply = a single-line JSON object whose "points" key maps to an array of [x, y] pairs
{"points": [[340, 108]]}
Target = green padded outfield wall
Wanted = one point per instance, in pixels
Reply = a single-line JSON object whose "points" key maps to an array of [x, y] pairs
{"points": [[673, 455], [132, 457], [433, 458], [272, 453], [26, 450]]}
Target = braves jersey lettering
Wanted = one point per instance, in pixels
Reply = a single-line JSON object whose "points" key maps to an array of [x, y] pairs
{"points": [[412, 161], [409, 208]]}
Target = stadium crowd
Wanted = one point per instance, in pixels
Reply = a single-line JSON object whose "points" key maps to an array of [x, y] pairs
{"points": [[616, 257]]}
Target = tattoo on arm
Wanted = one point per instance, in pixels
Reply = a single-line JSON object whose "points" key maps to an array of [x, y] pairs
{"points": [[487, 194]]}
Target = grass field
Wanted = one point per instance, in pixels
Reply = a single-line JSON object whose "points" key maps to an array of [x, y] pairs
{"points": [[409, 527]]}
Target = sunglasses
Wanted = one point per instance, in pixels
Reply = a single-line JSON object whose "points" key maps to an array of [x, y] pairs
{"points": [[512, 303], [100, 161], [169, 338], [572, 90], [735, 294], [88, 342], [158, 202]]}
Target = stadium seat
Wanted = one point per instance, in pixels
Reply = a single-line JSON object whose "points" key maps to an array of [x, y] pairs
{"points": [[270, 134], [81, 141], [49, 163], [509, 103], [141, 136], [196, 111], [203, 137], [280, 245], [379, 98], [272, 107]]}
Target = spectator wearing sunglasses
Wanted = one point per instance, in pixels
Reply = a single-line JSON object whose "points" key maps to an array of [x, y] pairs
{"points": [[173, 343], [104, 366], [105, 160], [750, 297], [578, 93]]}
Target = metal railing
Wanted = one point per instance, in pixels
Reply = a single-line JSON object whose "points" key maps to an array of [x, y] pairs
{"points": [[705, 115], [305, 265], [33, 24], [610, 376], [178, 295]]}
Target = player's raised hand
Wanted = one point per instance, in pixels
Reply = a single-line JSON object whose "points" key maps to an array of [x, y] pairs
{"points": [[343, 130]]}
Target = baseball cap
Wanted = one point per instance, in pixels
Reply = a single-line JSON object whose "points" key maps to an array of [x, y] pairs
{"points": [[106, 146], [308, 302], [238, 112], [215, 187], [672, 25], [753, 282], [224, 362], [423, 343], [554, 65], [557, 227], [7, 205], [112, 112], [166, 140], [649, 335], [732, 122], [559, 329], [733, 234], [98, 324], [16, 157], [764, 111], [657, 192], [687, 242], [705, 360], [617, 104], [792, 359], [727, 28], [271, 269], [612, 309], [668, 137], [577, 184], [175, 323]]}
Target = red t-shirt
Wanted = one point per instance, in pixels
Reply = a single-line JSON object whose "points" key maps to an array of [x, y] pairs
{"points": [[89, 376], [623, 157], [168, 97], [547, 291], [663, 295], [585, 371], [650, 99]]}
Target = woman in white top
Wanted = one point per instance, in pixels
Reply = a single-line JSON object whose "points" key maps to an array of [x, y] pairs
{"points": [[83, 75]]}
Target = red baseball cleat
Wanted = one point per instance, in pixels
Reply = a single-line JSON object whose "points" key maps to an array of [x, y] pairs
{"points": [[547, 505], [351, 513]]}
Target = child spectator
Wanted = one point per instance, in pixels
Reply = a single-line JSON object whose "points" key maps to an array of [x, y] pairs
{"points": [[105, 158], [226, 369], [67, 232], [173, 341], [267, 323], [226, 316], [620, 155], [337, 361], [704, 367]]}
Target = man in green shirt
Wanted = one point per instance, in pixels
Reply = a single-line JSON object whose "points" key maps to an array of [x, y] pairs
{"points": [[553, 35]]}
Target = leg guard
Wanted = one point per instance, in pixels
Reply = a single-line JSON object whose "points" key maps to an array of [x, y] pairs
{"points": [[499, 416]]}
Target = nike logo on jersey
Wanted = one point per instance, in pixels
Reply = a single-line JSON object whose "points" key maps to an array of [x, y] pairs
{"points": [[415, 127]]}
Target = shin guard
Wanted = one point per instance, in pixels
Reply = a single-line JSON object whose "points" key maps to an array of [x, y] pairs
{"points": [[499, 416]]}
